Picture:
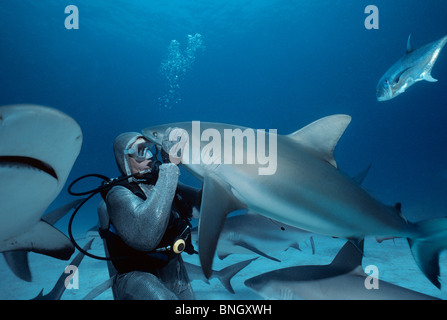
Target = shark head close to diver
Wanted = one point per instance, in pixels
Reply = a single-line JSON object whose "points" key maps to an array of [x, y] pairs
{"points": [[414, 66], [38, 147]]}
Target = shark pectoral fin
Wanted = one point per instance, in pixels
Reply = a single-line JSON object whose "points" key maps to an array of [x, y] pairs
{"points": [[255, 250], [322, 135], [45, 239], [217, 203], [18, 263], [55, 215]]}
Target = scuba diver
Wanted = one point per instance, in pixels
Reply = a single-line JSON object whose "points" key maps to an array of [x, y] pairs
{"points": [[144, 222]]}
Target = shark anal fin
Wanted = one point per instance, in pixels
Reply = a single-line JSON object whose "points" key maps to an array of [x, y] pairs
{"points": [[217, 203]]}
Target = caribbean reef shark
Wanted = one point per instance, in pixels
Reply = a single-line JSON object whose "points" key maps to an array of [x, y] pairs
{"points": [[38, 147], [342, 279], [252, 233], [306, 190], [414, 66], [224, 275]]}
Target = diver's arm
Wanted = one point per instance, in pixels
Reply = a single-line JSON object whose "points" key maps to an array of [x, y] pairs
{"points": [[142, 223]]}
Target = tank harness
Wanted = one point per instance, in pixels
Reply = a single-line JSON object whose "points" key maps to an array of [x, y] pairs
{"points": [[176, 239]]}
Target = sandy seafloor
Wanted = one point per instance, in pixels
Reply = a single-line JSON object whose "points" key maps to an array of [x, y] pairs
{"points": [[393, 259]]}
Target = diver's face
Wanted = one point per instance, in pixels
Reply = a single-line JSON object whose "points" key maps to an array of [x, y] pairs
{"points": [[136, 166], [139, 156]]}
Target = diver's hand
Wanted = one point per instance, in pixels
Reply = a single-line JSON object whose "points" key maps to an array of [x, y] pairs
{"points": [[173, 144]]}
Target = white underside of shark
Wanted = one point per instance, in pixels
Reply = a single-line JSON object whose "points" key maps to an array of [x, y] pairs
{"points": [[38, 147], [251, 233]]}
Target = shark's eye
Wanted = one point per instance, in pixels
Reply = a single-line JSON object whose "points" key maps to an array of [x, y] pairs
{"points": [[154, 133]]}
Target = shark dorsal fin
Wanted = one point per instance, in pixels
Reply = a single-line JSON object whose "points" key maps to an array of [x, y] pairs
{"points": [[322, 135], [409, 48]]}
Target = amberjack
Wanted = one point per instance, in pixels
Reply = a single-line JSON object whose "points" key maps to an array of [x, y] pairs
{"points": [[342, 279], [306, 190], [38, 147], [414, 66]]}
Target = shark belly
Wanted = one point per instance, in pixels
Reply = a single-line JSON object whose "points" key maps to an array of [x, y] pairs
{"points": [[311, 194], [24, 195]]}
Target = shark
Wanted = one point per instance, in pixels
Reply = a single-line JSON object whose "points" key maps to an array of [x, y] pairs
{"points": [[414, 66], [307, 190], [224, 275], [253, 233], [38, 147], [18, 260], [342, 279]]}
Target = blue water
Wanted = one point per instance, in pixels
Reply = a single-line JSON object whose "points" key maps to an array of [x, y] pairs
{"points": [[271, 64]]}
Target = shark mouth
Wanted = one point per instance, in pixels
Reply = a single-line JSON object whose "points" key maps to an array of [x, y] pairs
{"points": [[28, 162]]}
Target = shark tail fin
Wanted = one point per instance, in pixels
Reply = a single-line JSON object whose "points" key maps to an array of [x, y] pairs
{"points": [[427, 247]]}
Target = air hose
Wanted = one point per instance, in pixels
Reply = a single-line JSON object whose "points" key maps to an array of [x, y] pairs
{"points": [[106, 184]]}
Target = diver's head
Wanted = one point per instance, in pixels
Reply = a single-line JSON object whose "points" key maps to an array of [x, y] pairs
{"points": [[132, 152], [139, 155]]}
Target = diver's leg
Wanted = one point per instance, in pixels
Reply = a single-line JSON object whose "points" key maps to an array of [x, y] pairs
{"points": [[137, 285], [175, 277]]}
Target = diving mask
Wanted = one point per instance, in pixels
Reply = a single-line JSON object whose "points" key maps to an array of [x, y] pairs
{"points": [[140, 152]]}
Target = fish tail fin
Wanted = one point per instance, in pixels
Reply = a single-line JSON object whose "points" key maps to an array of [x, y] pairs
{"points": [[428, 77], [432, 240]]}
